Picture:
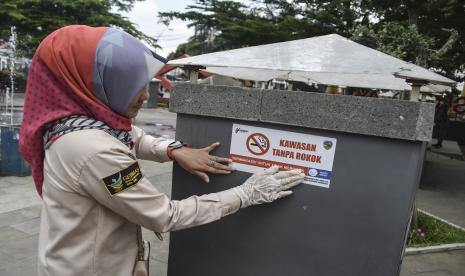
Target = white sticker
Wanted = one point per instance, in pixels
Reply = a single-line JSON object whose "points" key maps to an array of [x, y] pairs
{"points": [[256, 148]]}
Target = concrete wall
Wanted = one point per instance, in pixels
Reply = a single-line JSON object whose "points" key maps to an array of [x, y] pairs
{"points": [[361, 115]]}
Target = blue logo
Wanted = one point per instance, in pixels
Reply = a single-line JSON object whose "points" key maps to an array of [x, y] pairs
{"points": [[319, 173]]}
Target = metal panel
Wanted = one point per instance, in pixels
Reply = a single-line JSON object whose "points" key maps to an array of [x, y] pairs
{"points": [[356, 227]]}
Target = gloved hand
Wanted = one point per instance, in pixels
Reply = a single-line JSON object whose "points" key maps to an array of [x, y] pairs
{"points": [[267, 186]]}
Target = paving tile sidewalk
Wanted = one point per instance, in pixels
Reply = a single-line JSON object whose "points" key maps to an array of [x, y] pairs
{"points": [[435, 264], [442, 191]]}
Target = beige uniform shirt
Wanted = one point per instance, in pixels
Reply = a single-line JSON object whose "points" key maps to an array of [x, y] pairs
{"points": [[89, 215]]}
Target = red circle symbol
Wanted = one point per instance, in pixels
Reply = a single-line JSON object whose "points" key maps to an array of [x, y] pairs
{"points": [[258, 144]]}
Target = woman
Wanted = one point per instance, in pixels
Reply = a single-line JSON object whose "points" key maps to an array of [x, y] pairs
{"points": [[84, 87]]}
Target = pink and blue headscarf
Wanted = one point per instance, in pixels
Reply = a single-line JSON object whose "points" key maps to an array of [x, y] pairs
{"points": [[82, 70]]}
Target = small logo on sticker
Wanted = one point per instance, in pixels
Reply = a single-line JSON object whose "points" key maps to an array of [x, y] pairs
{"points": [[312, 172], [238, 129], [327, 145]]}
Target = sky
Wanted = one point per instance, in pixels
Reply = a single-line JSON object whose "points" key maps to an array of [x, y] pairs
{"points": [[145, 15]]}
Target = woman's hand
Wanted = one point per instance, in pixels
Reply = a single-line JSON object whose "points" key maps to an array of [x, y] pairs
{"points": [[267, 186], [200, 162]]}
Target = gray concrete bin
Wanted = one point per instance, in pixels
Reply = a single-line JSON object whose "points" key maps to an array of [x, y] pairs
{"points": [[352, 216]]}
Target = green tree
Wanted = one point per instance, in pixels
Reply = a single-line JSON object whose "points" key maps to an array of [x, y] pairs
{"points": [[34, 19], [235, 25], [423, 32], [9, 13], [432, 32], [398, 40]]}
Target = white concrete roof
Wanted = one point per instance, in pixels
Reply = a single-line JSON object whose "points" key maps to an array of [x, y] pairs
{"points": [[329, 59]]}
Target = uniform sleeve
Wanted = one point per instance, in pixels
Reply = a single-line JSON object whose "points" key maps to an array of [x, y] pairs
{"points": [[114, 180], [148, 147]]}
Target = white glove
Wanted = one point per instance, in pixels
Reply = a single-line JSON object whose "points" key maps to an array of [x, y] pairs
{"points": [[267, 186]]}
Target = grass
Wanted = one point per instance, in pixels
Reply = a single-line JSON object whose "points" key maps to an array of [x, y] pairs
{"points": [[431, 231], [162, 105]]}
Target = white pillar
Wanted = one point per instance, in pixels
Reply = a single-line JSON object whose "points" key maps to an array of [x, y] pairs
{"points": [[194, 76], [415, 94], [290, 86], [422, 97]]}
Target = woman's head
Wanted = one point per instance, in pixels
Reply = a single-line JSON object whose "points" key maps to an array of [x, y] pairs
{"points": [[104, 65], [123, 67], [80, 70]]}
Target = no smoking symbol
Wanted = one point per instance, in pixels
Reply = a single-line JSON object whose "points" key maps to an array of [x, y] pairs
{"points": [[258, 144]]}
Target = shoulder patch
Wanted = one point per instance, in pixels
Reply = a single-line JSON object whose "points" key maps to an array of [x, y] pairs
{"points": [[123, 179]]}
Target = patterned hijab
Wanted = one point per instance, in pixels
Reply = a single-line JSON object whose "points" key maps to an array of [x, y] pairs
{"points": [[81, 70]]}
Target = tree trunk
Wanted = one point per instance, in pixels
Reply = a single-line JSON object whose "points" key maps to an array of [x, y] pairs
{"points": [[412, 16], [348, 17], [454, 35]]}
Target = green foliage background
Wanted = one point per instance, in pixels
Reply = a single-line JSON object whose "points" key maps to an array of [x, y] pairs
{"points": [[34, 19], [412, 30], [418, 31]]}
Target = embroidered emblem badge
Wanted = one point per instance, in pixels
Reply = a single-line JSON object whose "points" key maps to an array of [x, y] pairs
{"points": [[123, 179]]}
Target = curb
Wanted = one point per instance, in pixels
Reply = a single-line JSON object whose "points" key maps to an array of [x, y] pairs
{"points": [[436, 248]]}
